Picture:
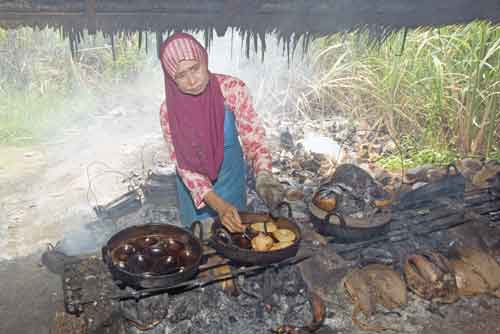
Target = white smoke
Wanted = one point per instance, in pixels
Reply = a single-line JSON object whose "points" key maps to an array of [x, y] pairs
{"points": [[122, 132]]}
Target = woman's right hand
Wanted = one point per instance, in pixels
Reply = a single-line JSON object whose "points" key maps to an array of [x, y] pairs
{"points": [[231, 219], [228, 214]]}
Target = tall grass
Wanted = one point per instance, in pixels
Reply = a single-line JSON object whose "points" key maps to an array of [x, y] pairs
{"points": [[43, 88], [433, 88]]}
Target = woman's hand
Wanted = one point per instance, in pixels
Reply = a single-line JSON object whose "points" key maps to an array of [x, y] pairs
{"points": [[230, 218], [269, 190], [228, 214]]}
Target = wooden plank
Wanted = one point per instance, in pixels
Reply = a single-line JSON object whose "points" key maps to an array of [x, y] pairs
{"points": [[317, 17]]}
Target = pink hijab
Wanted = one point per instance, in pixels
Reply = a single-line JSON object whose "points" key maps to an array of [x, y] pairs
{"points": [[196, 122]]}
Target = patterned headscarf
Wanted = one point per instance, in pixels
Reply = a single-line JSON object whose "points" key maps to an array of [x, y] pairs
{"points": [[196, 122]]}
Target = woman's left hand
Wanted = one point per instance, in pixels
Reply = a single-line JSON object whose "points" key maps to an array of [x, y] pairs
{"points": [[269, 190], [228, 214]]}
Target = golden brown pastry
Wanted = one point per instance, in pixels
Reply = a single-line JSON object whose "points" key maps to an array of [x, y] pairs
{"points": [[262, 242], [284, 235], [382, 203], [326, 202], [281, 245], [259, 227]]}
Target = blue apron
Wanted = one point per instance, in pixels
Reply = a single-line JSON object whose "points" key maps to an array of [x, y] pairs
{"points": [[230, 182]]}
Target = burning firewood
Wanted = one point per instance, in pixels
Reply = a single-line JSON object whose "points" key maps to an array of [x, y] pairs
{"points": [[227, 285]]}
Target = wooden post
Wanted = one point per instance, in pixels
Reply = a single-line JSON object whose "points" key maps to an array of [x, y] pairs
{"points": [[113, 52], [90, 10], [71, 39], [159, 41]]}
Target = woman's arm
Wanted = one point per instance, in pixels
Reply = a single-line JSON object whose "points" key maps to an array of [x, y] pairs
{"points": [[252, 136], [250, 129], [200, 186], [228, 214]]}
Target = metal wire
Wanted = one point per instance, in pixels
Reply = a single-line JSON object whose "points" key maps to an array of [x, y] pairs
{"points": [[109, 170]]}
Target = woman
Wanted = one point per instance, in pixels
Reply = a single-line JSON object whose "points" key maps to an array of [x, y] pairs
{"points": [[204, 118]]}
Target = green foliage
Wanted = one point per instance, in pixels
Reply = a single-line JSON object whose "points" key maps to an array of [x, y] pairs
{"points": [[3, 35], [42, 87], [414, 157], [442, 90], [26, 118], [128, 60]]}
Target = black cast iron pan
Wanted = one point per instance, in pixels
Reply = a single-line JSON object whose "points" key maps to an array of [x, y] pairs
{"points": [[152, 256], [224, 244], [346, 229]]}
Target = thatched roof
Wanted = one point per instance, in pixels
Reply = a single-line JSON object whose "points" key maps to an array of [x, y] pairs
{"points": [[290, 18]]}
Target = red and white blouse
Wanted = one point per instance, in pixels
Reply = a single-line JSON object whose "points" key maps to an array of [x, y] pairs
{"points": [[250, 131]]}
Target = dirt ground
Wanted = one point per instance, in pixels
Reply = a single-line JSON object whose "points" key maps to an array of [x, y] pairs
{"points": [[30, 296], [44, 190], [44, 195]]}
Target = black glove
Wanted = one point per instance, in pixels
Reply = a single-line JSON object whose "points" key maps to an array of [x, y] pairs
{"points": [[269, 190]]}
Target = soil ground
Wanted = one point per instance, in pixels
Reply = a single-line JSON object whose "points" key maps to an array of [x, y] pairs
{"points": [[44, 194], [30, 296]]}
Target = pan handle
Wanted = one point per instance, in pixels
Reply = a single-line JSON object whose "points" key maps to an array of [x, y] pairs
{"points": [[223, 234], [105, 256], [197, 225], [338, 215], [280, 206], [452, 166]]}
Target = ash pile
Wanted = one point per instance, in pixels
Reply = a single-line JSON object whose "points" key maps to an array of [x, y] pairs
{"points": [[253, 304], [417, 274], [257, 304]]}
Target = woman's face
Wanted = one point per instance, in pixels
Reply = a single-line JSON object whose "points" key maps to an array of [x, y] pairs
{"points": [[191, 77]]}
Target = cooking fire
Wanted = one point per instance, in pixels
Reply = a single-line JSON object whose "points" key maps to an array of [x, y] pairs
{"points": [[358, 259]]}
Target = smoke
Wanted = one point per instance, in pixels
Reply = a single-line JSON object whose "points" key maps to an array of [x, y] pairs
{"points": [[273, 81], [91, 159]]}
